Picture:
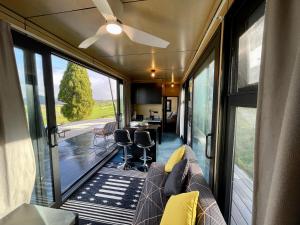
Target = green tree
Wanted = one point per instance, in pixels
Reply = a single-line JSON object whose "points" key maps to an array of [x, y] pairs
{"points": [[75, 91]]}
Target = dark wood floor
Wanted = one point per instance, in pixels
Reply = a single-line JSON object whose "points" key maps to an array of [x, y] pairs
{"points": [[242, 195]]}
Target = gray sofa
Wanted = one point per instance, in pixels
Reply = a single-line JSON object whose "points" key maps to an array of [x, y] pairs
{"points": [[152, 201]]}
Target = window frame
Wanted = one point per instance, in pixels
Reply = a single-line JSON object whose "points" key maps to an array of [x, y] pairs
{"points": [[232, 97], [25, 42], [213, 45]]}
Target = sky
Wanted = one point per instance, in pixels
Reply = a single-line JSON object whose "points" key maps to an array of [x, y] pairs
{"points": [[99, 82]]}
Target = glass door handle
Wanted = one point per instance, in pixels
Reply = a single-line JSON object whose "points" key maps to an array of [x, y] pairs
{"points": [[206, 146], [52, 136]]}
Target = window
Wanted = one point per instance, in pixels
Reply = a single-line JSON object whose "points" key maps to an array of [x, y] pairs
{"points": [[246, 24], [63, 136], [79, 148], [31, 78], [249, 54], [203, 100], [242, 187], [202, 106]]}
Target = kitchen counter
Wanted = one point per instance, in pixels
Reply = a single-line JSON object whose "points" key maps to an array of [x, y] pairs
{"points": [[149, 127], [154, 122]]}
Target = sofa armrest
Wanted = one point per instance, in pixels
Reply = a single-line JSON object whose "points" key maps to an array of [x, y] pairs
{"points": [[208, 212]]}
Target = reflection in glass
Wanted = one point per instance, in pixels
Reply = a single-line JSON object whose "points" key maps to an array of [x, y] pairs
{"points": [[31, 79], [249, 54], [202, 112]]}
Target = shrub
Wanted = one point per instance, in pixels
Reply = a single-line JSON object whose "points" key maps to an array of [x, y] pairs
{"points": [[75, 91]]}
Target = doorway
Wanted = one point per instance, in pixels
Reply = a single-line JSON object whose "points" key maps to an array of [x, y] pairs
{"points": [[31, 67], [170, 113]]}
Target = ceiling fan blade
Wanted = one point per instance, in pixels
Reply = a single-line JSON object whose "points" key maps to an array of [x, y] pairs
{"points": [[105, 9], [91, 40], [144, 38]]}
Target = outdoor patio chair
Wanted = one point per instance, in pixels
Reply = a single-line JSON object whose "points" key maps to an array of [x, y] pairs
{"points": [[104, 132]]}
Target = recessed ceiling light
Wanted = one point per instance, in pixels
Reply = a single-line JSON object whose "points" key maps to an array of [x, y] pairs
{"points": [[153, 73], [114, 28]]}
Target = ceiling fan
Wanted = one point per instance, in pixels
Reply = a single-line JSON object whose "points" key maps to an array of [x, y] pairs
{"points": [[115, 27]]}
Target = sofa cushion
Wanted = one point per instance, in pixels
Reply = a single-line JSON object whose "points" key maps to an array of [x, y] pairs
{"points": [[175, 181], [176, 156], [181, 209], [152, 200]]}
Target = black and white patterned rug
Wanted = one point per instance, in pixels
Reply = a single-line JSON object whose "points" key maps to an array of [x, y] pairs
{"points": [[110, 197]]}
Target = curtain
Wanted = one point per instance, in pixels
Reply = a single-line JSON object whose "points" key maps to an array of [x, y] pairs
{"points": [[17, 164], [178, 113], [127, 99], [277, 148], [180, 116]]}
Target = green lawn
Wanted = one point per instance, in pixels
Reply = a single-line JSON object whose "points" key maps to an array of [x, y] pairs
{"points": [[245, 139], [102, 109]]}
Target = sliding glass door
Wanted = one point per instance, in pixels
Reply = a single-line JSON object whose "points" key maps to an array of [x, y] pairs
{"points": [[202, 108], [203, 103], [31, 76], [71, 111]]}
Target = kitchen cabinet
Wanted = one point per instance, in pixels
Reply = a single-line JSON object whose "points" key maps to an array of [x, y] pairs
{"points": [[146, 93]]}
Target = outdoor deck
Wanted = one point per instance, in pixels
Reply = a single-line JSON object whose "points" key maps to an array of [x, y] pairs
{"points": [[241, 211], [77, 155]]}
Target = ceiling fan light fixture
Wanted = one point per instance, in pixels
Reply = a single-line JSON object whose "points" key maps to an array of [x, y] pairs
{"points": [[153, 73], [114, 28], [172, 85]]}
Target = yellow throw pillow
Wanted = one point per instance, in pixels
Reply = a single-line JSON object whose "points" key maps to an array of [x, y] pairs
{"points": [[175, 158], [181, 209]]}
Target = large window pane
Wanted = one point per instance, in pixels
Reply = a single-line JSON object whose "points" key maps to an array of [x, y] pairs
{"points": [[30, 70], [85, 101], [202, 112], [249, 54], [242, 192]]}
